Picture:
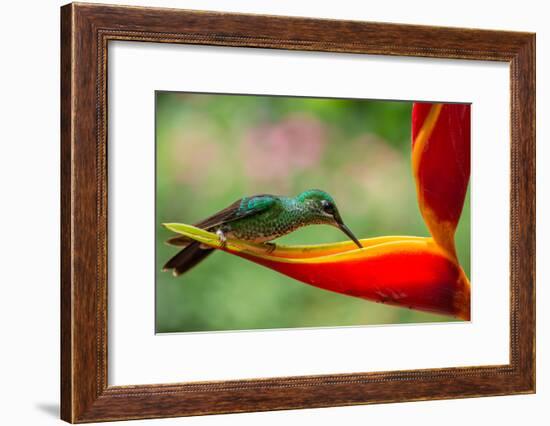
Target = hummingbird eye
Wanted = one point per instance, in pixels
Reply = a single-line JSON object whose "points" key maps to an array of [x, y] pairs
{"points": [[327, 207]]}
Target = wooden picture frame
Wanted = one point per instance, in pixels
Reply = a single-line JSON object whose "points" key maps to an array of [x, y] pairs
{"points": [[86, 31]]}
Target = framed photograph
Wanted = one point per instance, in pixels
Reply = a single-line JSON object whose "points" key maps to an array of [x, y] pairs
{"points": [[265, 213]]}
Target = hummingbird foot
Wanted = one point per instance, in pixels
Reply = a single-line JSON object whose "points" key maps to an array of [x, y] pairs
{"points": [[270, 247], [222, 238]]}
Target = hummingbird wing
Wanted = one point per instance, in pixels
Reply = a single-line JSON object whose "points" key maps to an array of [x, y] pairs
{"points": [[244, 207]]}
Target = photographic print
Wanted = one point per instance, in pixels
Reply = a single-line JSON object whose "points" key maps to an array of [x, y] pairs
{"points": [[277, 212]]}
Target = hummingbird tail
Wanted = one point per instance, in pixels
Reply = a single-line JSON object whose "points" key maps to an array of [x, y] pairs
{"points": [[187, 258]]}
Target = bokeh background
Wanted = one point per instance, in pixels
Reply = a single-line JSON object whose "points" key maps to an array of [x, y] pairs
{"points": [[214, 149]]}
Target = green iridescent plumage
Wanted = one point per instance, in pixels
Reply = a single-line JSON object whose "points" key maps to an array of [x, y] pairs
{"points": [[260, 219]]}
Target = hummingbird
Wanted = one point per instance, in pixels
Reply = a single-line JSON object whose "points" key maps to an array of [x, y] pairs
{"points": [[259, 219]]}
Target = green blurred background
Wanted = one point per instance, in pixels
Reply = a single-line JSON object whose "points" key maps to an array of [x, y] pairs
{"points": [[214, 149]]}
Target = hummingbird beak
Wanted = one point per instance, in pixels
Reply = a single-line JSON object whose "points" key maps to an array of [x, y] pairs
{"points": [[348, 232], [340, 223]]}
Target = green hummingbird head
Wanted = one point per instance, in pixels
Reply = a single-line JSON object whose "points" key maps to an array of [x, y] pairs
{"points": [[322, 208]]}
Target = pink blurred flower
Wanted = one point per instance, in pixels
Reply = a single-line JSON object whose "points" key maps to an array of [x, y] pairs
{"points": [[274, 151]]}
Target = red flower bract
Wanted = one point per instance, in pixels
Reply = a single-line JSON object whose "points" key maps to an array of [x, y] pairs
{"points": [[441, 166], [410, 273]]}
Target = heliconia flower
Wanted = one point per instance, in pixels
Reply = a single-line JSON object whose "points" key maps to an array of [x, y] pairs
{"points": [[414, 272]]}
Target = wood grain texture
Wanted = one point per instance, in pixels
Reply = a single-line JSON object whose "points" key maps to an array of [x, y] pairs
{"points": [[85, 34], [66, 209]]}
